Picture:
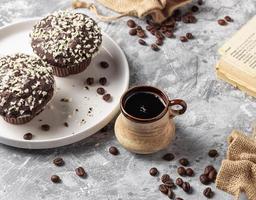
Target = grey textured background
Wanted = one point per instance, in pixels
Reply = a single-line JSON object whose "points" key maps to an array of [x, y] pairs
{"points": [[184, 70]]}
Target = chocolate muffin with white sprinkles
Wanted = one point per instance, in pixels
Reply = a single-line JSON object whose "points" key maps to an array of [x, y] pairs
{"points": [[26, 86], [66, 40]]}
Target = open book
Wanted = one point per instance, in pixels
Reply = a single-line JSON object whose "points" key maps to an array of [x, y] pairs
{"points": [[237, 64]]}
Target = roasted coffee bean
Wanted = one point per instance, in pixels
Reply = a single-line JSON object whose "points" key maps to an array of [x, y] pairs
{"points": [[153, 31], [194, 8], [168, 157], [163, 189], [228, 19], [27, 136], [212, 175], [104, 64], [113, 150], [149, 27], [153, 171], [190, 172], [106, 97], [183, 39], [159, 35], [133, 31], [179, 182], [186, 187], [192, 19], [131, 23], [103, 80], [169, 184], [170, 194], [208, 192], [45, 127], [66, 124], [222, 22], [208, 169], [90, 81], [181, 171], [55, 179], [80, 171], [154, 47], [178, 198], [101, 91], [159, 42], [213, 153], [139, 28], [204, 179], [184, 161], [142, 42], [200, 2], [58, 161], [141, 33], [169, 34], [189, 36], [165, 177]]}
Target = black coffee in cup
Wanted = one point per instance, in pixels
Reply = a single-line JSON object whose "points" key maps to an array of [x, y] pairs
{"points": [[144, 105]]}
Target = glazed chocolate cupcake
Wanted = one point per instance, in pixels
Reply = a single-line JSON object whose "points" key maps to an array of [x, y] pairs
{"points": [[67, 41], [26, 86]]}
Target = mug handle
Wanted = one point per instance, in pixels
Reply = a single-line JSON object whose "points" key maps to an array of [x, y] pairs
{"points": [[181, 111]]}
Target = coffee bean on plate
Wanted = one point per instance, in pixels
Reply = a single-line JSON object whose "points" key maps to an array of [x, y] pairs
{"points": [[80, 171], [159, 35], [194, 8], [170, 194], [139, 28], [222, 22], [190, 172], [189, 36], [58, 161], [104, 64], [204, 179], [27, 136], [181, 171], [212, 175], [208, 169], [159, 42], [142, 42], [179, 182], [169, 184], [163, 189], [113, 150], [133, 31], [131, 23], [183, 39], [184, 161], [153, 171], [45, 127], [103, 80], [141, 33], [101, 91], [228, 19], [55, 179], [208, 192], [168, 157], [186, 187], [213, 153], [165, 177], [149, 27], [90, 81], [154, 47], [106, 97]]}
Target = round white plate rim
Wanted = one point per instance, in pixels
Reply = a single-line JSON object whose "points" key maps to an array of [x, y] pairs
{"points": [[62, 141]]}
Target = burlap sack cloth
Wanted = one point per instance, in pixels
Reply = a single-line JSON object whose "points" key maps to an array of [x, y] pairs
{"points": [[238, 172], [159, 10]]}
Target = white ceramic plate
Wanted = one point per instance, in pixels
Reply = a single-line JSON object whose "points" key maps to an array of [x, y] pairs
{"points": [[82, 123]]}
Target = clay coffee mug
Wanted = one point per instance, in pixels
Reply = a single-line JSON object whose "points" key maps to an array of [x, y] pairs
{"points": [[145, 136]]}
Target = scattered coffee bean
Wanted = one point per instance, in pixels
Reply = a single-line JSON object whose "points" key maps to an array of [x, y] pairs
{"points": [[154, 47], [90, 81], [222, 22], [80, 171], [228, 19], [163, 189], [103, 80], [204, 179], [133, 31], [178, 198], [131, 23], [170, 194], [181, 171], [141, 33], [169, 184], [58, 162], [45, 127], [208, 192], [213, 153], [190, 172], [189, 36], [27, 136], [55, 179], [113, 150], [139, 28], [142, 42], [104, 64], [165, 178], [101, 91], [159, 42], [194, 8], [184, 161], [183, 39], [153, 171], [179, 182], [208, 169], [159, 35], [168, 157], [149, 27], [66, 124], [186, 187], [212, 175], [200, 2], [106, 97]]}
